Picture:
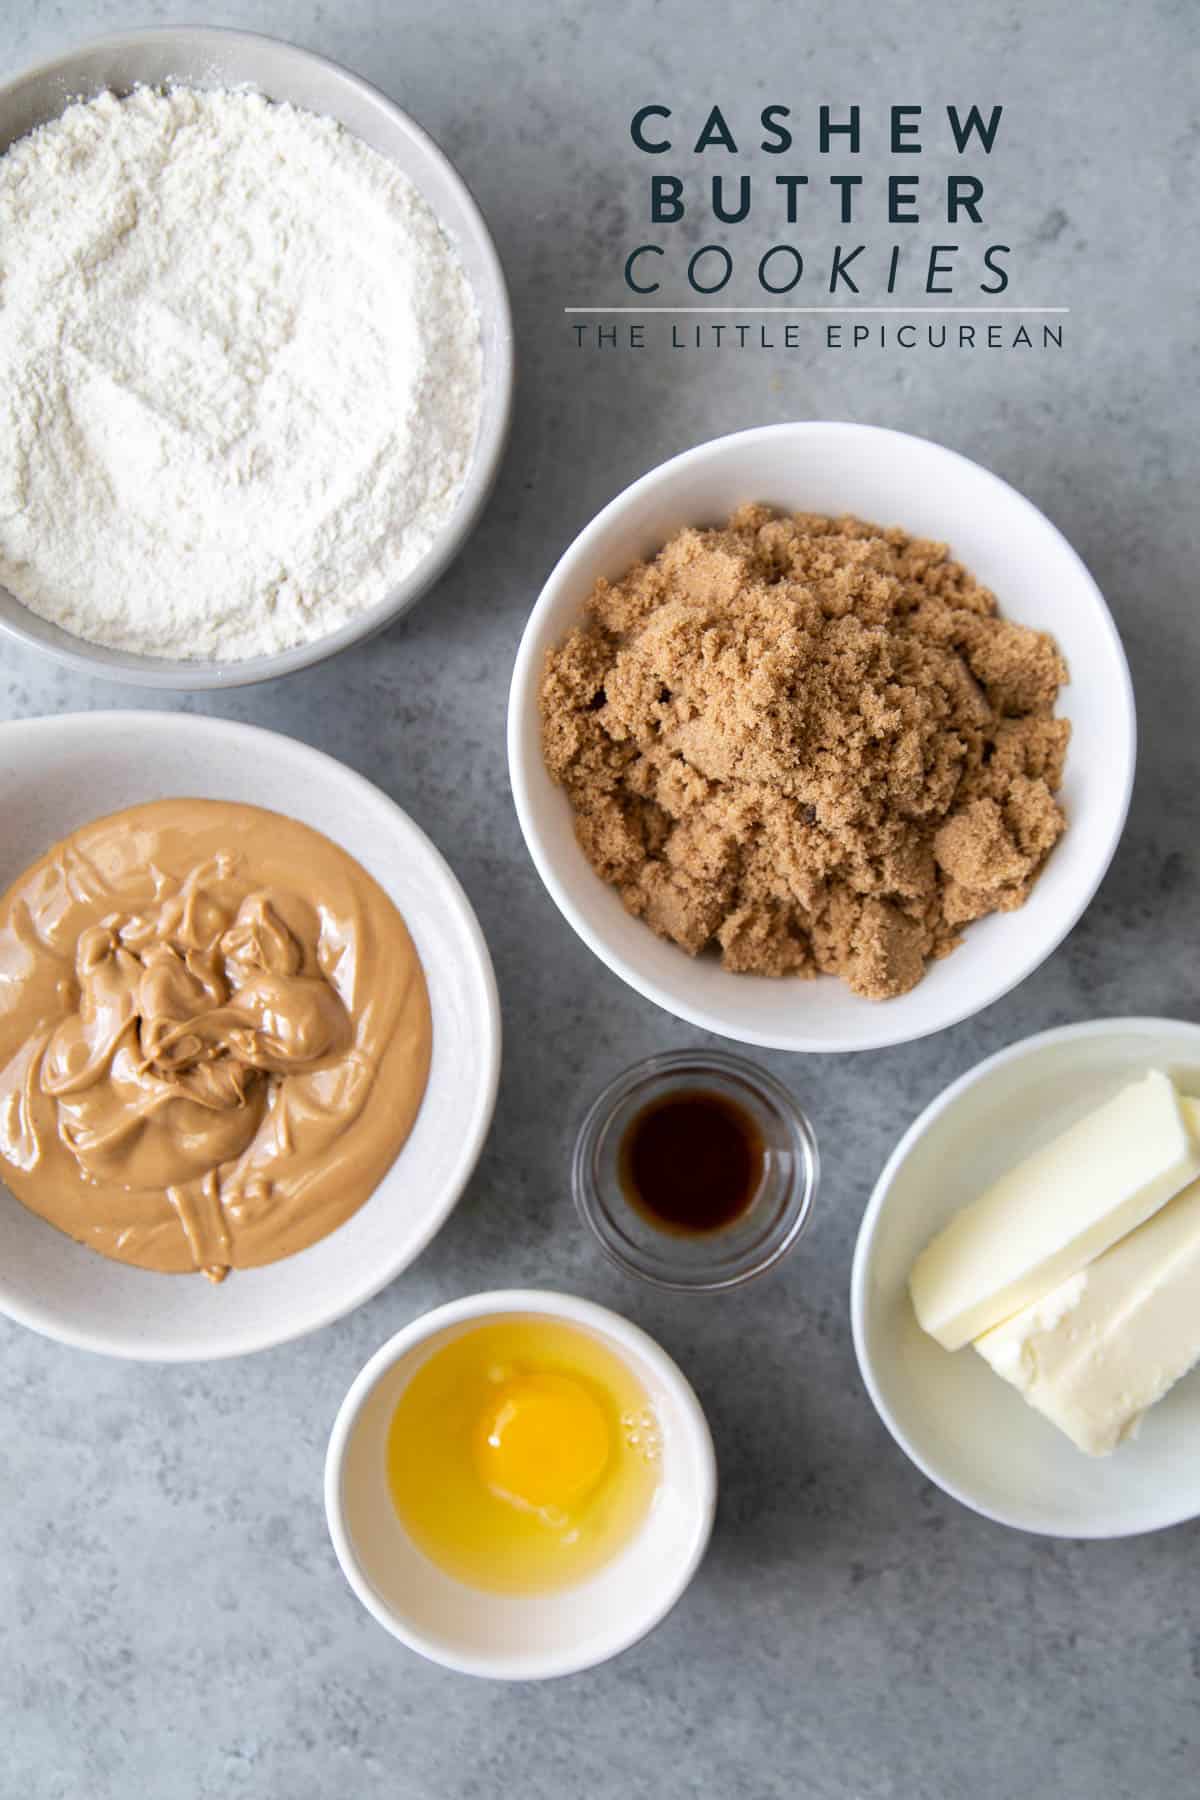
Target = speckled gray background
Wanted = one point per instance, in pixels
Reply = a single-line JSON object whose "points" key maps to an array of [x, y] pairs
{"points": [[172, 1621]]}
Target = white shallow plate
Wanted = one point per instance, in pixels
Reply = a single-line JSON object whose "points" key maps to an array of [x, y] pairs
{"points": [[56, 774], [968, 1430], [890, 479]]}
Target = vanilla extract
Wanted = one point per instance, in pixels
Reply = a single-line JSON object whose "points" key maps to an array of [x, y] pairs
{"points": [[692, 1161]]}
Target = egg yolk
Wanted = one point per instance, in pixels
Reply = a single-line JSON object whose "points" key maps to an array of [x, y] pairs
{"points": [[523, 1455], [543, 1443]]}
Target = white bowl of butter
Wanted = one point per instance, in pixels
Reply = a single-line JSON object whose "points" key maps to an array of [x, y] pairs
{"points": [[1097, 1346], [278, 1052]]}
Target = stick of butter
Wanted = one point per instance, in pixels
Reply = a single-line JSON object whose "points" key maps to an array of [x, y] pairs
{"points": [[1055, 1212], [1106, 1345]]}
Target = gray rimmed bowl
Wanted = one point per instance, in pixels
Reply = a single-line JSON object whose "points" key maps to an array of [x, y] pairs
{"points": [[214, 58]]}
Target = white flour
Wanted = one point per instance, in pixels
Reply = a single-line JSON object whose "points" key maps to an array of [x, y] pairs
{"points": [[240, 374]]}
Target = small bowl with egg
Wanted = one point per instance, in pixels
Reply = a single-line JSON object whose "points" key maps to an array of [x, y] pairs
{"points": [[250, 1031], [734, 820], [1075, 1415], [520, 1485], [297, 412]]}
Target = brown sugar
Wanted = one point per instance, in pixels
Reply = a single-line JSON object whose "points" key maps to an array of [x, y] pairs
{"points": [[809, 743]]}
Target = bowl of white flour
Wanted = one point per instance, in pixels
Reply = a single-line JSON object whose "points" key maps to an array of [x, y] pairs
{"points": [[256, 359]]}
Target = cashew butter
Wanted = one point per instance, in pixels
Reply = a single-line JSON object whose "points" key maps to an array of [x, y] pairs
{"points": [[215, 1036]]}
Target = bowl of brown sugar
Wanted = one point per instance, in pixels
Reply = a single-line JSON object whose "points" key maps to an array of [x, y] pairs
{"points": [[821, 736]]}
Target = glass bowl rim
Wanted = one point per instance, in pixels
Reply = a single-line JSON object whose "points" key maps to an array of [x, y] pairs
{"points": [[596, 1215]]}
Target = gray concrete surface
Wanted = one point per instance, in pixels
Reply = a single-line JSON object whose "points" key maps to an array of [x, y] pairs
{"points": [[173, 1622]]}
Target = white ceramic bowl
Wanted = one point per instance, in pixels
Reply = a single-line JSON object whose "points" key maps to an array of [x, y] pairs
{"points": [[516, 1637], [891, 479], [968, 1430], [215, 58], [56, 774]]}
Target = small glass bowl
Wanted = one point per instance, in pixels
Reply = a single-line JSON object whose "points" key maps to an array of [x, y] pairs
{"points": [[697, 1262]]}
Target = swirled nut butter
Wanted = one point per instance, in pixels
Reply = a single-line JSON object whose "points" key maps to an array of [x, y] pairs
{"points": [[214, 1036]]}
